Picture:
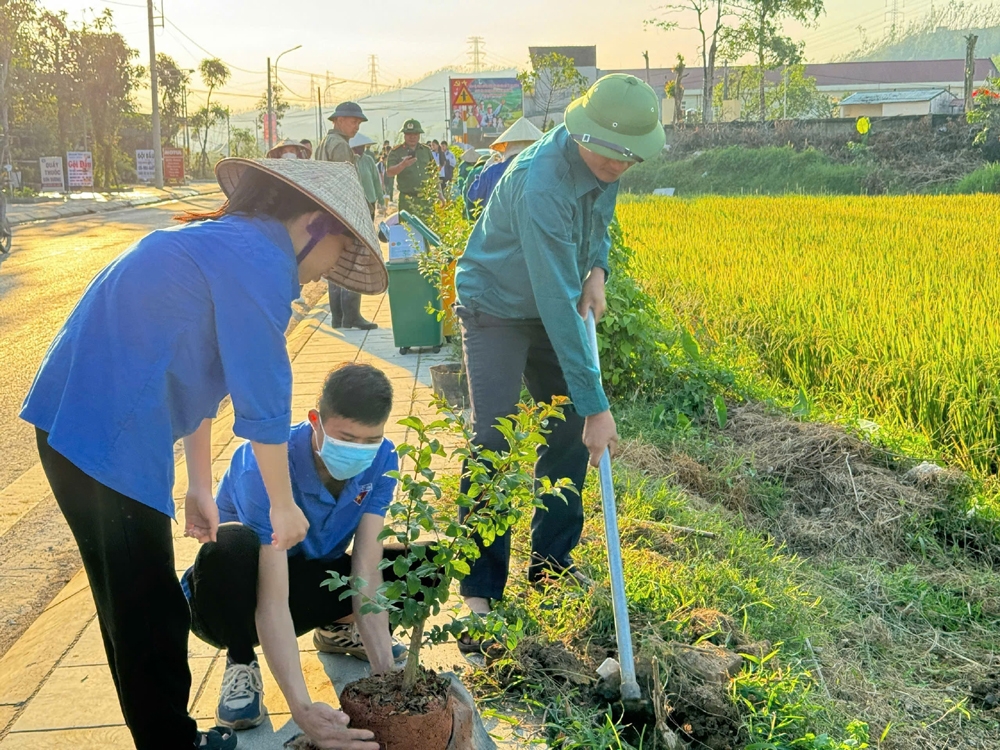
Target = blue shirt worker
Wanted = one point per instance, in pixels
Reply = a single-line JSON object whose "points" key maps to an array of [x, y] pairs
{"points": [[533, 268], [243, 590], [174, 324], [509, 144]]}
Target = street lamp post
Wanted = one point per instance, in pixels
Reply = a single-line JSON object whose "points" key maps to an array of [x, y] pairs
{"points": [[270, 96]]}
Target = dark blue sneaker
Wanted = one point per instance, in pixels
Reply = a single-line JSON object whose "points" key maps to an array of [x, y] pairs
{"points": [[241, 701]]}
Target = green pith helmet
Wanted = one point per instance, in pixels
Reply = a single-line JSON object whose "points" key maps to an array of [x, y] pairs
{"points": [[411, 126], [619, 117]]}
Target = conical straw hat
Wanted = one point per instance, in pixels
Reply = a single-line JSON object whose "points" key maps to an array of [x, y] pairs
{"points": [[335, 187], [522, 130]]}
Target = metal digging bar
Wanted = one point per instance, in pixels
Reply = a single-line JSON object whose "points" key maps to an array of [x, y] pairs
{"points": [[623, 630]]}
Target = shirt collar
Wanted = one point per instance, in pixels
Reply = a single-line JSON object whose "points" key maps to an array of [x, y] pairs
{"points": [[302, 463], [583, 178]]}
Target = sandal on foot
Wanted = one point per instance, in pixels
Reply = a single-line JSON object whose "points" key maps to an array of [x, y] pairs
{"points": [[216, 738], [469, 645]]}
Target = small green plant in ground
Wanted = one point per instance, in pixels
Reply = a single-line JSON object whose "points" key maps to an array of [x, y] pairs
{"points": [[502, 488]]}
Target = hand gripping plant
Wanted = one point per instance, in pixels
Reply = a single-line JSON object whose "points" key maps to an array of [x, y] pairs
{"points": [[502, 487]]}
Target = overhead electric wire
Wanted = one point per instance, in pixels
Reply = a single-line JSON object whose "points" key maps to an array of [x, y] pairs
{"points": [[228, 64]]}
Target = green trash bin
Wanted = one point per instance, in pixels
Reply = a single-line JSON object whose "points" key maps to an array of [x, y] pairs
{"points": [[409, 295]]}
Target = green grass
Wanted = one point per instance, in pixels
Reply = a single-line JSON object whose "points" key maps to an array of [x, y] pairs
{"points": [[735, 170]]}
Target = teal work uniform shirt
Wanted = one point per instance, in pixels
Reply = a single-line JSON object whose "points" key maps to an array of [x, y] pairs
{"points": [[543, 230]]}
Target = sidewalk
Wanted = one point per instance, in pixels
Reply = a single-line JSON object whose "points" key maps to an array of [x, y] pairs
{"points": [[80, 204], [55, 689]]}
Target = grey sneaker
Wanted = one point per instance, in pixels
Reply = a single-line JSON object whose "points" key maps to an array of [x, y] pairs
{"points": [[344, 638], [241, 700]]}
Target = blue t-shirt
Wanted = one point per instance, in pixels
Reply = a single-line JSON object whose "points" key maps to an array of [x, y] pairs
{"points": [[332, 521], [160, 336]]}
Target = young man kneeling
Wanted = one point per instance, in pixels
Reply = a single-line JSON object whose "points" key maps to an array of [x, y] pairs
{"points": [[242, 590]]}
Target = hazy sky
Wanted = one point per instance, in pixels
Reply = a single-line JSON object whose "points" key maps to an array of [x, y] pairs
{"points": [[411, 38]]}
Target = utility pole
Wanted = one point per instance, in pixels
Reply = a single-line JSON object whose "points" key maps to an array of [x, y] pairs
{"points": [[894, 15], [268, 130], [319, 117], [373, 74], [157, 145], [784, 87], [477, 53], [646, 57], [970, 69]]}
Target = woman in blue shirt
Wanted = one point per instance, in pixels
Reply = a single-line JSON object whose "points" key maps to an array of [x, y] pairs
{"points": [[181, 319]]}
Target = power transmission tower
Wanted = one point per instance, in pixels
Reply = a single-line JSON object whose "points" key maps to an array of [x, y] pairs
{"points": [[894, 16], [373, 71], [477, 52]]}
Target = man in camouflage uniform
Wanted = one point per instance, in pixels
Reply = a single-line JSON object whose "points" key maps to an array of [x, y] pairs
{"points": [[412, 164]]}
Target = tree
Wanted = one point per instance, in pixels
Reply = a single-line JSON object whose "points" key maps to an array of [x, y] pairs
{"points": [[108, 84], [214, 73], [675, 90], [202, 122], [552, 79], [244, 143], [278, 105], [16, 17], [710, 15], [171, 83], [759, 33]]}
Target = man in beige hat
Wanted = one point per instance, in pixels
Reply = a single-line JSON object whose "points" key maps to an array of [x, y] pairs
{"points": [[345, 306], [289, 149]]}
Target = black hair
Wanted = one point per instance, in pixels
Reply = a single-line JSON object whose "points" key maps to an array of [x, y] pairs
{"points": [[361, 393], [260, 194]]}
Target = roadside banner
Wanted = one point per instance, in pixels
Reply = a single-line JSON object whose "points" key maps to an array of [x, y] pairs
{"points": [[145, 164], [80, 166], [482, 108], [173, 165], [52, 173]]}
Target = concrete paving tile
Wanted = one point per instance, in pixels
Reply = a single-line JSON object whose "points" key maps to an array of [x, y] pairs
{"points": [[89, 650], [320, 687], [6, 714], [32, 657], [99, 738], [82, 697]]}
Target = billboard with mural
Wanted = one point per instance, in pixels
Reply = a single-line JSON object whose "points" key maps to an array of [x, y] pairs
{"points": [[482, 108]]}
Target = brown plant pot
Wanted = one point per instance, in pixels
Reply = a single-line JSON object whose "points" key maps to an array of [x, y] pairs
{"points": [[451, 384], [419, 719]]}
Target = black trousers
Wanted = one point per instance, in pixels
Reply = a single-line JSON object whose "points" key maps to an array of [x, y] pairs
{"points": [[128, 553], [224, 591], [499, 353]]}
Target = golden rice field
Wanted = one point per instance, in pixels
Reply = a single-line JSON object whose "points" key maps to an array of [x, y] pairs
{"points": [[887, 306]]}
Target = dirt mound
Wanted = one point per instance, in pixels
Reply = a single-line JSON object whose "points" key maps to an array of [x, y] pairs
{"points": [[817, 488], [551, 659]]}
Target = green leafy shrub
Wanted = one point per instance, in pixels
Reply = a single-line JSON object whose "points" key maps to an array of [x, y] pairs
{"points": [[503, 487], [983, 180]]}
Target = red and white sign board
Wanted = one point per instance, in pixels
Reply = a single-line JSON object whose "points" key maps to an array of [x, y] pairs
{"points": [[52, 173], [80, 168], [173, 164]]}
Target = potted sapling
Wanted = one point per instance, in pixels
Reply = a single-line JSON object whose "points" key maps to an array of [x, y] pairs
{"points": [[412, 709]]}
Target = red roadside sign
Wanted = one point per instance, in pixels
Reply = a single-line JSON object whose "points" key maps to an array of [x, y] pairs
{"points": [[173, 165]]}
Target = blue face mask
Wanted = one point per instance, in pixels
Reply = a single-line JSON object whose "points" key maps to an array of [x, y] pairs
{"points": [[345, 460]]}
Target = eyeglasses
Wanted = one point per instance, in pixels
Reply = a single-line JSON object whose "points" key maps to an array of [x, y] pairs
{"points": [[623, 150]]}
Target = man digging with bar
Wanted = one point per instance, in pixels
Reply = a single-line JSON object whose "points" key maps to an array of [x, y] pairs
{"points": [[533, 268]]}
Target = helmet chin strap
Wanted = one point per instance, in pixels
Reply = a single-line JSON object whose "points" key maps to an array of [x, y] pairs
{"points": [[319, 228]]}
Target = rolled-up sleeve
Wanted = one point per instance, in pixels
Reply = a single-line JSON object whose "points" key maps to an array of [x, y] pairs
{"points": [[250, 319], [545, 225]]}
